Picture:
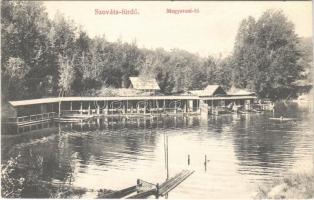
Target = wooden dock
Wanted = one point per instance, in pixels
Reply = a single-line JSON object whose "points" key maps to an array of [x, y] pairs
{"points": [[143, 189], [165, 187], [173, 182], [174, 104]]}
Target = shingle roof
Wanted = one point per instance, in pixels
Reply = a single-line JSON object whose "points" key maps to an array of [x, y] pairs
{"points": [[142, 83], [239, 92], [210, 90]]}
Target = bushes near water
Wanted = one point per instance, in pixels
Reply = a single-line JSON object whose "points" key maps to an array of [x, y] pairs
{"points": [[294, 186]]}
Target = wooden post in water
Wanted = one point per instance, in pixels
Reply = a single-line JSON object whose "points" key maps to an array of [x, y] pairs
{"points": [[175, 107], [198, 106], [188, 159], [127, 106], [205, 162], [98, 109], [166, 154], [88, 108], [167, 158], [157, 106], [59, 114], [164, 105], [145, 107], [81, 108], [157, 190], [123, 108], [107, 108], [138, 185]]}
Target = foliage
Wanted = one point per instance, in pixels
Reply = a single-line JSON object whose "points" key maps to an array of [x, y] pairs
{"points": [[12, 183], [16, 68], [66, 72], [266, 56], [14, 72], [23, 36], [44, 57], [293, 186], [21, 177], [306, 61]]}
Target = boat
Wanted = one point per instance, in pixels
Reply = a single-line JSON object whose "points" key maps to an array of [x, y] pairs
{"points": [[282, 119]]}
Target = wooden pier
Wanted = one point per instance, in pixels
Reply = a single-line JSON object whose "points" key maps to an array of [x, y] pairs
{"points": [[144, 189], [104, 106], [173, 182], [83, 109]]}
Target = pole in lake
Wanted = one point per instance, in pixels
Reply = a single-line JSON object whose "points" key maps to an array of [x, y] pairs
{"points": [[166, 154], [167, 158], [205, 162]]}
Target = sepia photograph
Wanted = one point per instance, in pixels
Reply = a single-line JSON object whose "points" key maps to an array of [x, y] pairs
{"points": [[157, 99]]}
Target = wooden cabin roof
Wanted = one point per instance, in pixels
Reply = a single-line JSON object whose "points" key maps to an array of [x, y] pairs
{"points": [[239, 92], [210, 90], [142, 83], [214, 90]]}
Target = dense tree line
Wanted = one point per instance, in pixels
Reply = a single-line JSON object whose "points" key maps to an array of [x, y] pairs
{"points": [[43, 57], [267, 56]]}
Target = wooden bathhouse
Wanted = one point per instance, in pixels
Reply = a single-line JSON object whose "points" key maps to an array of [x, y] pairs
{"points": [[209, 91], [216, 96], [211, 98], [144, 84]]}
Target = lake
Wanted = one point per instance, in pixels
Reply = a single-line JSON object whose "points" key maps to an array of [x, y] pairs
{"points": [[243, 151]]}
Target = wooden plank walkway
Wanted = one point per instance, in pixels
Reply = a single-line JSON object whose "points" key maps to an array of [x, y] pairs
{"points": [[165, 187], [173, 182]]}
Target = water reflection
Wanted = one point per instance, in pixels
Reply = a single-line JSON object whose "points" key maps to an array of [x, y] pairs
{"points": [[242, 151]]}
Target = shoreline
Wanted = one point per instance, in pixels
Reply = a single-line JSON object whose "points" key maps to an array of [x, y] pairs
{"points": [[295, 185]]}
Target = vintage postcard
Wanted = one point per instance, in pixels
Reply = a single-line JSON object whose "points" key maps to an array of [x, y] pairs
{"points": [[157, 99]]}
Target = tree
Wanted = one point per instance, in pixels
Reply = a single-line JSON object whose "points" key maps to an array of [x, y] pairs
{"points": [[23, 36], [244, 55], [265, 56], [13, 74], [306, 61], [66, 72]]}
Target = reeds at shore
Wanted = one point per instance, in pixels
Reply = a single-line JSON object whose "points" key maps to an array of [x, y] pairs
{"points": [[293, 186]]}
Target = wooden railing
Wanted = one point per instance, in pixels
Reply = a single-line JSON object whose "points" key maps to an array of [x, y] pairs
{"points": [[110, 111], [32, 118]]}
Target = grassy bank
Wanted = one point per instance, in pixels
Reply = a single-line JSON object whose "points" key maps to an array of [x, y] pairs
{"points": [[294, 186]]}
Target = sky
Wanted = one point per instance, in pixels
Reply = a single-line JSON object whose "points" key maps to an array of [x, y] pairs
{"points": [[210, 30]]}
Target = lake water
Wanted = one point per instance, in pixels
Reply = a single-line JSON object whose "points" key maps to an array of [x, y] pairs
{"points": [[243, 151]]}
